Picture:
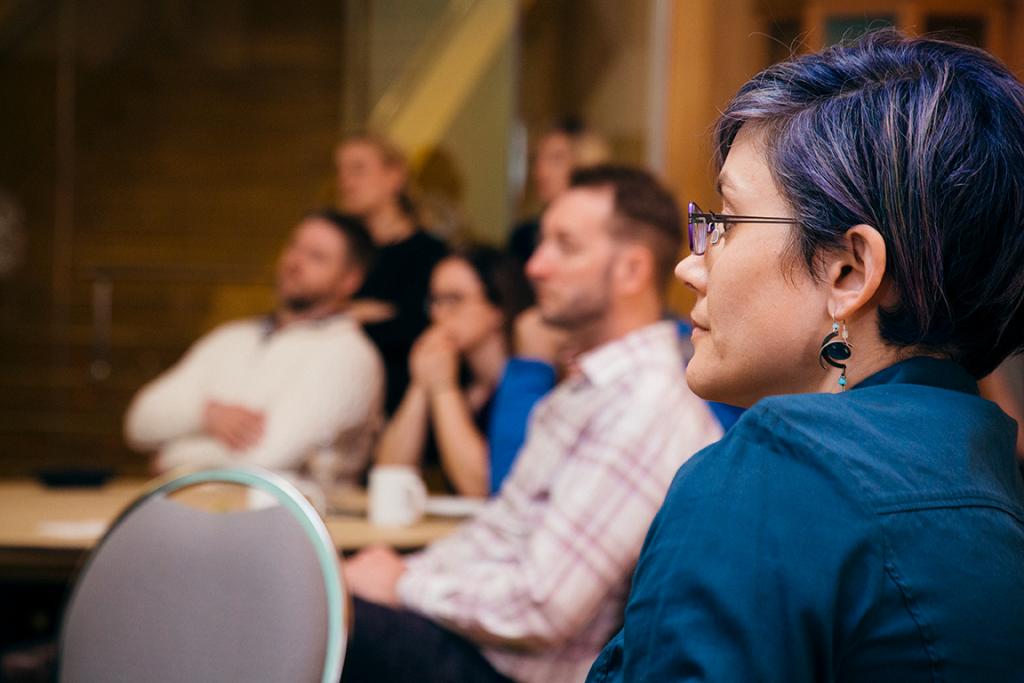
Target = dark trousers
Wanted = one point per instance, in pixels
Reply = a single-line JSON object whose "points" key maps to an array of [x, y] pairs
{"points": [[396, 645]]}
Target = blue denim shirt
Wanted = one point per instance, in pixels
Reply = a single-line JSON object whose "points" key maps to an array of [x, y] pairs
{"points": [[875, 535]]}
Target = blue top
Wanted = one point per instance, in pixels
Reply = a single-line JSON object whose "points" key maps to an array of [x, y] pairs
{"points": [[875, 535], [524, 382]]}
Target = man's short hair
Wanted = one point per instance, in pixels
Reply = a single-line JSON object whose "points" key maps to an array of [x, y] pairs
{"points": [[361, 251], [923, 140], [643, 211]]}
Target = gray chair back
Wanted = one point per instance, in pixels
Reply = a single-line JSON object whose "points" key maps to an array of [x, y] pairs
{"points": [[178, 593]]}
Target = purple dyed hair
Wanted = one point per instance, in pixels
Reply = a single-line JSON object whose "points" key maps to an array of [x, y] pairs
{"points": [[924, 140]]}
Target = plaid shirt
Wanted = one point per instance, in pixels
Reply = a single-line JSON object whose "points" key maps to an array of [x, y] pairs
{"points": [[540, 577]]}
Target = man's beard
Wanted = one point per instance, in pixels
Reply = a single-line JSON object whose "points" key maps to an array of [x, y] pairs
{"points": [[301, 304], [584, 308], [578, 313]]}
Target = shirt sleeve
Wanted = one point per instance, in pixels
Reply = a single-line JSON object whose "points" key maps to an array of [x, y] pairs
{"points": [[579, 551], [171, 406], [524, 382], [739, 579], [332, 394]]}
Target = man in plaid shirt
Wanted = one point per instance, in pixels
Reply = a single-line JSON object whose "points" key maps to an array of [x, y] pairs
{"points": [[533, 587]]}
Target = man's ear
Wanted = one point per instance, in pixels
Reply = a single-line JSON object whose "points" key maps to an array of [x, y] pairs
{"points": [[350, 282], [634, 268], [855, 272]]}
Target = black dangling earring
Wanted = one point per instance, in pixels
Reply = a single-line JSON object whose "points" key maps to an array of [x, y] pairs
{"points": [[836, 348]]}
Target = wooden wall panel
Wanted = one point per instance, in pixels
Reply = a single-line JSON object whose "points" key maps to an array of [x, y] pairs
{"points": [[200, 138]]}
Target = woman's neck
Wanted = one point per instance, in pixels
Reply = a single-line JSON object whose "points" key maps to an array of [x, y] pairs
{"points": [[487, 360], [389, 224]]}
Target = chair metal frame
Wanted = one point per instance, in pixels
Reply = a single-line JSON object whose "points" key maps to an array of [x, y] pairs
{"points": [[286, 495]]}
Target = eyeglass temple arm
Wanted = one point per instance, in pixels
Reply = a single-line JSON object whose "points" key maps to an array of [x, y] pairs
{"points": [[733, 218]]}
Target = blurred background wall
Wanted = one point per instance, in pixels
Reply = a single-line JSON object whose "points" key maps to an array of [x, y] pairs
{"points": [[154, 154]]}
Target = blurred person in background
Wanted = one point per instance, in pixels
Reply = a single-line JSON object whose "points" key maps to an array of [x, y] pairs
{"points": [[299, 390], [456, 364], [372, 179], [1005, 386], [561, 150], [530, 587]]}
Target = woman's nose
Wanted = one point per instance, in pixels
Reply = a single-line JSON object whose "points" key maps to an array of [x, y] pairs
{"points": [[693, 273]]}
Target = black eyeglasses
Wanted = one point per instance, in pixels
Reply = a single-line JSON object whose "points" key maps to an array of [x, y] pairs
{"points": [[702, 224]]}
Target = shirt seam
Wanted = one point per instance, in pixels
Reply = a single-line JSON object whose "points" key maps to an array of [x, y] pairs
{"points": [[945, 502], [770, 423], [923, 629]]}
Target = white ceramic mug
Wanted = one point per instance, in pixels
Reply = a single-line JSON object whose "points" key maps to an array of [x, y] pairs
{"points": [[398, 496]]}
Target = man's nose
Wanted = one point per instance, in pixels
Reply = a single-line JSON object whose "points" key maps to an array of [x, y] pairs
{"points": [[538, 265]]}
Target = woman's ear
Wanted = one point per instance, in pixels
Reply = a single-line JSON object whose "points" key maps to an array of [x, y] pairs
{"points": [[397, 178], [855, 272]]}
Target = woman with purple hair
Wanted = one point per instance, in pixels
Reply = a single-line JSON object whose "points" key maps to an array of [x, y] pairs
{"points": [[864, 520]]}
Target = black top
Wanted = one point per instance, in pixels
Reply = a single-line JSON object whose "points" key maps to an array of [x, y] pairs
{"points": [[524, 239], [433, 469], [401, 276]]}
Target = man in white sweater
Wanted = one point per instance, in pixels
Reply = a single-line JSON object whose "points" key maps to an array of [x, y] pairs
{"points": [[299, 390]]}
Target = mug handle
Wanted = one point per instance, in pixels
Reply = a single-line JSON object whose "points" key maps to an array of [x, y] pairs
{"points": [[416, 495]]}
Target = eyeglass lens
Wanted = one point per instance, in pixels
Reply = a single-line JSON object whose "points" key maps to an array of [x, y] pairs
{"points": [[697, 229]]}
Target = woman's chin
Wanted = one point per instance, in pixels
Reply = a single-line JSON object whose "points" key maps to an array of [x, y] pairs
{"points": [[713, 387], [698, 382]]}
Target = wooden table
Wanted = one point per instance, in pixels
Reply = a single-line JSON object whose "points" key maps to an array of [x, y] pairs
{"points": [[46, 532]]}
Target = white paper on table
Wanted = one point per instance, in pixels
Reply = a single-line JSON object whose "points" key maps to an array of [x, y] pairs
{"points": [[454, 506], [73, 529]]}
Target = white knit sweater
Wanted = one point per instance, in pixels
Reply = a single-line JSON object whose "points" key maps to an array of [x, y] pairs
{"points": [[319, 385]]}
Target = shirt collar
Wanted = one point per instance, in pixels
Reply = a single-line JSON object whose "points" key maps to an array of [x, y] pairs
{"points": [[934, 372], [614, 358], [269, 326]]}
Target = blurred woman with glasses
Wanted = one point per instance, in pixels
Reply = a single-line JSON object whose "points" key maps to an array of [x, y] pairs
{"points": [[455, 366]]}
